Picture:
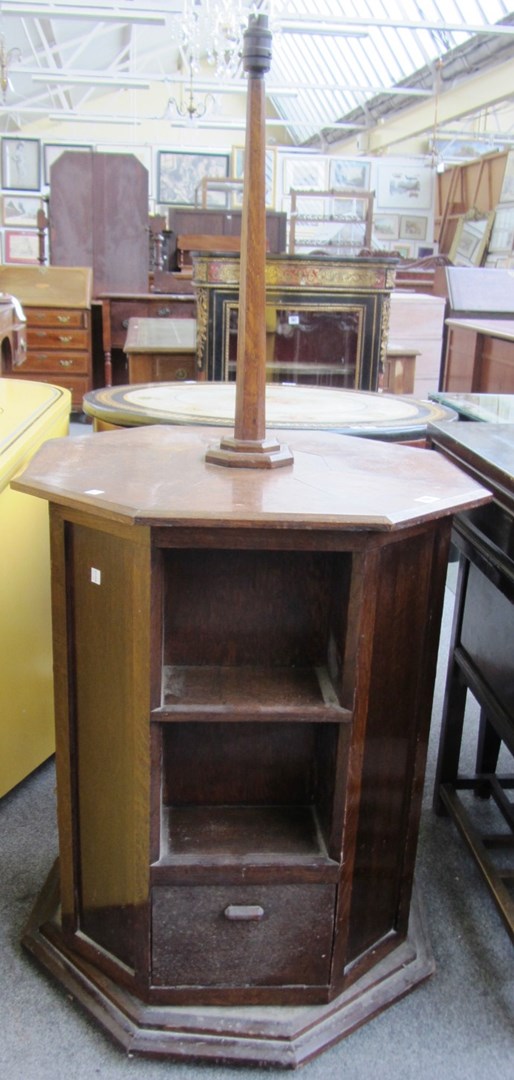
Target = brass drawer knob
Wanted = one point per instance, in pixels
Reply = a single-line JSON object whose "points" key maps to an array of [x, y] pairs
{"points": [[63, 318], [65, 363], [65, 338], [244, 912]]}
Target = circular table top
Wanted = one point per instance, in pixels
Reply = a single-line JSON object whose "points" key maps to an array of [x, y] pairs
{"points": [[352, 412]]}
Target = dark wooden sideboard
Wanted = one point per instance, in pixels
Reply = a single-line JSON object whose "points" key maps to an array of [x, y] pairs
{"points": [[481, 660], [116, 311], [242, 831]]}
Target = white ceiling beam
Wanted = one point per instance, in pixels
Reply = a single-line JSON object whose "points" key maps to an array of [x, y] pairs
{"points": [[100, 12]]}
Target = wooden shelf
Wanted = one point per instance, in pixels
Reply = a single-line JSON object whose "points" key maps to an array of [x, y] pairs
{"points": [[227, 834], [208, 692], [345, 198]]}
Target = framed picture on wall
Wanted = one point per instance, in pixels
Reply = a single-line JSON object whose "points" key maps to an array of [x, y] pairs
{"points": [[21, 247], [386, 226], [345, 173], [238, 158], [52, 151], [21, 164], [179, 175], [21, 210], [405, 187], [413, 228], [304, 173]]}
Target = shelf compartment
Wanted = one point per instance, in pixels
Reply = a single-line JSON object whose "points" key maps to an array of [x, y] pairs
{"points": [[255, 791], [202, 692], [234, 833]]}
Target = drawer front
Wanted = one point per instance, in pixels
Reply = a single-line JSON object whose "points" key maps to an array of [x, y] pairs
{"points": [[121, 312], [177, 367], [53, 361], [165, 308], [226, 936], [65, 317], [53, 337]]}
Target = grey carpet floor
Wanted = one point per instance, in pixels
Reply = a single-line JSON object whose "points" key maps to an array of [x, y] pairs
{"points": [[457, 1026]]}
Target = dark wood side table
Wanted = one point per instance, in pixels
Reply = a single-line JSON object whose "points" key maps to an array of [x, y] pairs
{"points": [[161, 350], [482, 654], [240, 743]]}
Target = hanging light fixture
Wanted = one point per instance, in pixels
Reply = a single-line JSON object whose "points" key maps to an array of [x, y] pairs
{"points": [[6, 58], [190, 110]]}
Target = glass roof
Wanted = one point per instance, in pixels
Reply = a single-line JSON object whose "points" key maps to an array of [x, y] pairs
{"points": [[353, 51]]}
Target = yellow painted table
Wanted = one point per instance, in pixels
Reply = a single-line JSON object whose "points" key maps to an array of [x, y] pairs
{"points": [[30, 413]]}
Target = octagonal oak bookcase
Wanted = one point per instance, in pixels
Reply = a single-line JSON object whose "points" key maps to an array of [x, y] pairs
{"points": [[244, 664]]}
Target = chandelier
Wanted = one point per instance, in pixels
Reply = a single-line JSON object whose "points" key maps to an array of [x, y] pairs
{"points": [[214, 29], [190, 110]]}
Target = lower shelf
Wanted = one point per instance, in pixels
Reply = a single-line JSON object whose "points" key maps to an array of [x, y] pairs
{"points": [[225, 833]]}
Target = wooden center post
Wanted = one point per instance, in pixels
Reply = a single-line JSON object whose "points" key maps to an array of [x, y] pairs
{"points": [[249, 447]]}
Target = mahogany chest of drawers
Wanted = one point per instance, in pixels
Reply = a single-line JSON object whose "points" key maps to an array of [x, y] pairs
{"points": [[57, 306]]}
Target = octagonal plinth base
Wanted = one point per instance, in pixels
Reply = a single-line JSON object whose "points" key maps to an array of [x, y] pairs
{"points": [[249, 454], [284, 1037]]}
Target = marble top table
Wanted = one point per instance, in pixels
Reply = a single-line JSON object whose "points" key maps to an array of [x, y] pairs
{"points": [[353, 412], [160, 335], [490, 408]]}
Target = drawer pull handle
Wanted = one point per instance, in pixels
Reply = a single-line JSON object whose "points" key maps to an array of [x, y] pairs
{"points": [[162, 311], [65, 363], [63, 318], [244, 912], [124, 323], [65, 338], [180, 374]]}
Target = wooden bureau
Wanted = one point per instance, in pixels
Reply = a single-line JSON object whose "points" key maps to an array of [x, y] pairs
{"points": [[57, 306]]}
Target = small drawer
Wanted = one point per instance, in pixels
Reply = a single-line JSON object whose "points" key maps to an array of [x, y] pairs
{"points": [[53, 337], [227, 936], [121, 312], [53, 361], [59, 317]]}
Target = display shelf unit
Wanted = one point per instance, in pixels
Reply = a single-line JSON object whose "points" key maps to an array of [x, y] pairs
{"points": [[239, 805], [348, 214]]}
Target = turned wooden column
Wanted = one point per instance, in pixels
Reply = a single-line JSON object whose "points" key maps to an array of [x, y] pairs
{"points": [[249, 447]]}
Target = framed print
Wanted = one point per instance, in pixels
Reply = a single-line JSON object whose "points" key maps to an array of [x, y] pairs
{"points": [[345, 173], [386, 226], [404, 187], [403, 250], [507, 190], [52, 151], [21, 164], [21, 247], [471, 238], [413, 228], [304, 173], [180, 173], [21, 210], [502, 232], [238, 157]]}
